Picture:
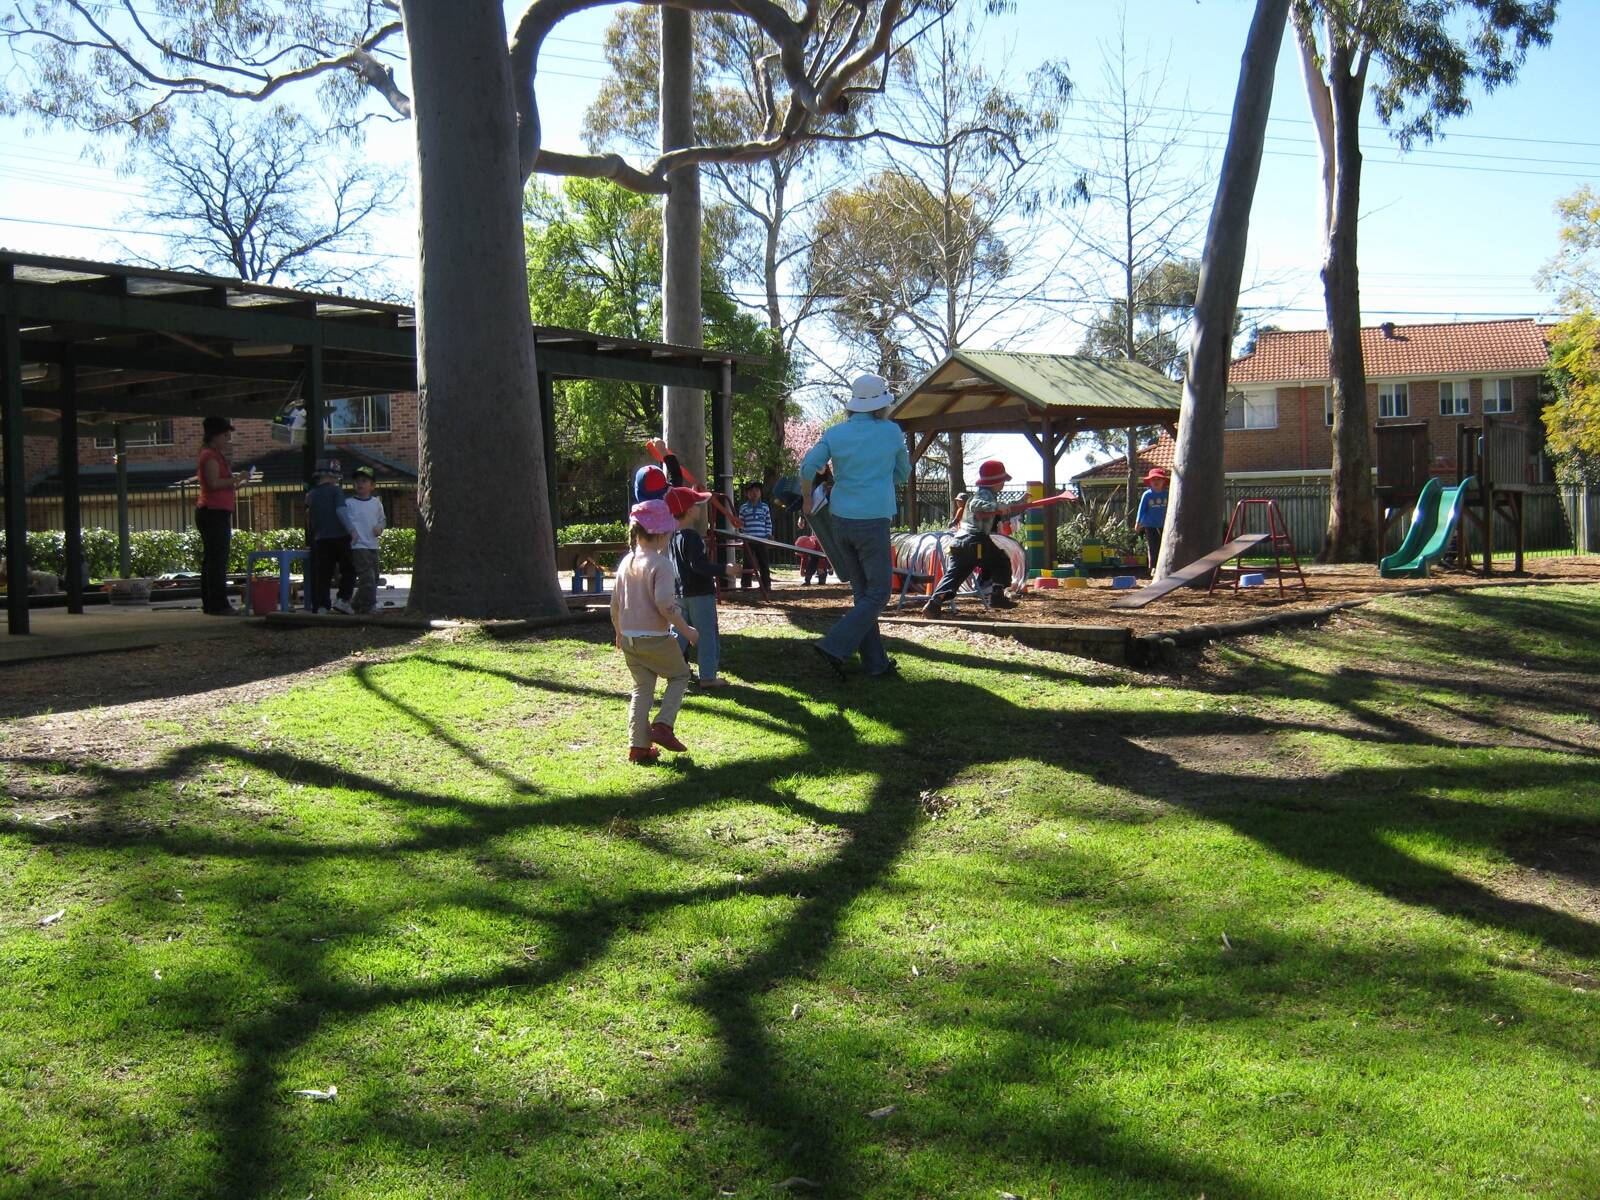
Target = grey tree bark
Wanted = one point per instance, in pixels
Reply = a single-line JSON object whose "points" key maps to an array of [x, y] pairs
{"points": [[1195, 510], [478, 403], [683, 416]]}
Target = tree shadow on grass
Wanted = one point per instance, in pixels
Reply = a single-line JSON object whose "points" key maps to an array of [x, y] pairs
{"points": [[793, 1115]]}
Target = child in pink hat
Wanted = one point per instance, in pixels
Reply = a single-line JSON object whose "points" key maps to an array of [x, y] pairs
{"points": [[644, 612]]}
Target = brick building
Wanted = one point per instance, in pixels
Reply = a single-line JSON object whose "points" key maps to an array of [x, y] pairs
{"points": [[1280, 408], [377, 431]]}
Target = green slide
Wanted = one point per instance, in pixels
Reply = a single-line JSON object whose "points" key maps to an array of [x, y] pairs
{"points": [[1432, 523]]}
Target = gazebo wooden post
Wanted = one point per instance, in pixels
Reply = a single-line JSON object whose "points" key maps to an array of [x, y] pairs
{"points": [[911, 483], [1047, 455]]}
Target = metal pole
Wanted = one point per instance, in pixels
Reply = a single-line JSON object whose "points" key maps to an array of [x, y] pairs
{"points": [[547, 422], [316, 415], [124, 553], [722, 448], [71, 509], [15, 485]]}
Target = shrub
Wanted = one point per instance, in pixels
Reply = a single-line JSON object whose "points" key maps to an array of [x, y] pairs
{"points": [[592, 531], [397, 550]]}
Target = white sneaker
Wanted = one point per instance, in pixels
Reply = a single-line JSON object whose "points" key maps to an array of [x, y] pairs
{"points": [[343, 606]]}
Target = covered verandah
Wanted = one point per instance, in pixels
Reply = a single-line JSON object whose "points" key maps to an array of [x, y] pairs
{"points": [[1047, 398], [89, 348]]}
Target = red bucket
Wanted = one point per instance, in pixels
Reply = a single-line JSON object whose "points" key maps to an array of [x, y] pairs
{"points": [[263, 596]]}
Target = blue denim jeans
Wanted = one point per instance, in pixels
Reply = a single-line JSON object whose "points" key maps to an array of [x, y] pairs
{"points": [[702, 614], [863, 557]]}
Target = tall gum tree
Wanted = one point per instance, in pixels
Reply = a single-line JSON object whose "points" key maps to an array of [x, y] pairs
{"points": [[1421, 58], [472, 95], [1194, 512]]}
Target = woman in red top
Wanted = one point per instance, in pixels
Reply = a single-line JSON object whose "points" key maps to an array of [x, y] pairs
{"points": [[219, 486]]}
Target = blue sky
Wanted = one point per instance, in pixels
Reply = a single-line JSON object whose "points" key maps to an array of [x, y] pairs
{"points": [[1448, 231]]}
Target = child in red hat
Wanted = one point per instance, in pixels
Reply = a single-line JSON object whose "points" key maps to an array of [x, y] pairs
{"points": [[1151, 517], [698, 578], [974, 547]]}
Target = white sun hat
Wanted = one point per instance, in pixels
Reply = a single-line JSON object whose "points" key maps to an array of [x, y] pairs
{"points": [[868, 393]]}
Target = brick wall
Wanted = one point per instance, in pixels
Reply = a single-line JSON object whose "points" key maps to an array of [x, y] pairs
{"points": [[1303, 441]]}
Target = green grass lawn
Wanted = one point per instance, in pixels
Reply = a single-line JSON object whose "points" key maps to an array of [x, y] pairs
{"points": [[1318, 918]]}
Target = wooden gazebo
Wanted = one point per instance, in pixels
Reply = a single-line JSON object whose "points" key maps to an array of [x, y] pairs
{"points": [[1048, 398]]}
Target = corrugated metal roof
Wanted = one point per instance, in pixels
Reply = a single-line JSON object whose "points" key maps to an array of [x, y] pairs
{"points": [[1088, 386]]}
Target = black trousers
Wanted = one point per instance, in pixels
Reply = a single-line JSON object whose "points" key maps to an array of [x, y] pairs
{"points": [[756, 560], [1152, 541], [326, 555], [216, 530], [971, 553]]}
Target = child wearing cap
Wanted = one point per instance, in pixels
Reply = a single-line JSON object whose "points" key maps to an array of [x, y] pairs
{"points": [[755, 519], [973, 546], [329, 528], [698, 579], [366, 526], [1151, 517], [644, 611]]}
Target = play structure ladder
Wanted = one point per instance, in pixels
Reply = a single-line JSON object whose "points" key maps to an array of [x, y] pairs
{"points": [[1277, 537]]}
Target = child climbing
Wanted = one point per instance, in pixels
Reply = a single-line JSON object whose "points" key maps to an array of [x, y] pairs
{"points": [[973, 547], [644, 612]]}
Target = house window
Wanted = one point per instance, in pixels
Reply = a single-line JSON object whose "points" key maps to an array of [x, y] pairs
{"points": [[1252, 410], [1497, 396], [141, 433], [358, 414], [1454, 398], [1394, 400], [1327, 407]]}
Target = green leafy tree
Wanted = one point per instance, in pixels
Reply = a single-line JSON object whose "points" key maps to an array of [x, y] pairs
{"points": [[1573, 274], [1420, 59], [594, 262], [1572, 417]]}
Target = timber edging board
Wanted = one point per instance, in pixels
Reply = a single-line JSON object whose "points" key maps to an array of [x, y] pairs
{"points": [[299, 619]]}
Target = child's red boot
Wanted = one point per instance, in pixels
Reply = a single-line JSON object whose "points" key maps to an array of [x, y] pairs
{"points": [[663, 736], [645, 756]]}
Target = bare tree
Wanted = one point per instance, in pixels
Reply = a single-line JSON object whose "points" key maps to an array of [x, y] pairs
{"points": [[1194, 514], [262, 196], [1142, 221], [472, 96]]}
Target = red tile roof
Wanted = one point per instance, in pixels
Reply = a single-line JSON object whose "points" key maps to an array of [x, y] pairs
{"points": [[1462, 348], [1157, 454]]}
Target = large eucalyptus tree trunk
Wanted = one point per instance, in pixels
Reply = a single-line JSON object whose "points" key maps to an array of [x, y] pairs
{"points": [[683, 417], [1352, 526], [484, 539], [1194, 513]]}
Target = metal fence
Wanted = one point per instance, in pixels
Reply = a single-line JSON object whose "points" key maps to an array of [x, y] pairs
{"points": [[1556, 520]]}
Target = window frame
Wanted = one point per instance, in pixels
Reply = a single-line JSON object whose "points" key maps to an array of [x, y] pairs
{"points": [[161, 425], [1398, 388], [368, 403], [1327, 406], [1460, 397], [1244, 396], [1509, 400]]}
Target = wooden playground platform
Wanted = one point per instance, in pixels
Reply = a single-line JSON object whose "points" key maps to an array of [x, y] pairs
{"points": [[1081, 620]]}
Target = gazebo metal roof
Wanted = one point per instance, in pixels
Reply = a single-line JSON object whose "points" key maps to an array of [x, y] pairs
{"points": [[1002, 391], [87, 347]]}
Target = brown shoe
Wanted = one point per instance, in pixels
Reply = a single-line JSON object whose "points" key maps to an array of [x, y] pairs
{"points": [[644, 756], [663, 736]]}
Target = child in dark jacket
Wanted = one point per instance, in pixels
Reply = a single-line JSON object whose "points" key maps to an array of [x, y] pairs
{"points": [[698, 579]]}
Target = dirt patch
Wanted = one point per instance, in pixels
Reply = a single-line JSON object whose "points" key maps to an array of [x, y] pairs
{"points": [[1559, 869], [1186, 607]]}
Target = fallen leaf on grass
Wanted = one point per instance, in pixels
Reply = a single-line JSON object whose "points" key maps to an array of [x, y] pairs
{"points": [[794, 1013], [1009, 1196], [879, 1114], [797, 1183], [313, 1094], [52, 918], [916, 971], [1226, 944]]}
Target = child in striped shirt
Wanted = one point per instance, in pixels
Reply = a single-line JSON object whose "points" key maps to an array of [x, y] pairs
{"points": [[756, 520]]}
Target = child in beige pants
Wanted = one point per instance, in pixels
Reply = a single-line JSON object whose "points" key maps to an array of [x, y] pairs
{"points": [[644, 611]]}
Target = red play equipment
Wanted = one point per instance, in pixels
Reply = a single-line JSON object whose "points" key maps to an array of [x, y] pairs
{"points": [[1277, 539]]}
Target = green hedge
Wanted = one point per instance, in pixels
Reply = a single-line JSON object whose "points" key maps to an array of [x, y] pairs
{"points": [[593, 531], [163, 551]]}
